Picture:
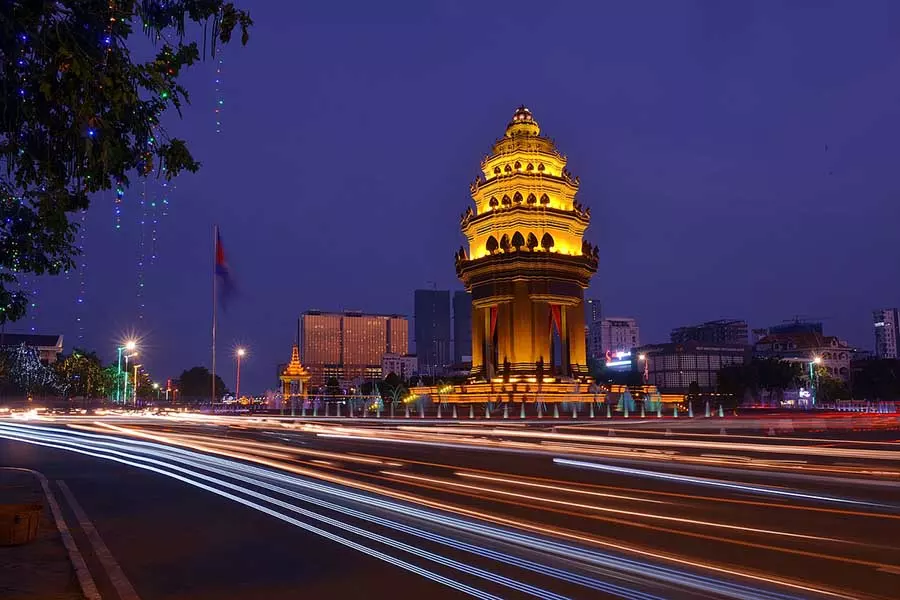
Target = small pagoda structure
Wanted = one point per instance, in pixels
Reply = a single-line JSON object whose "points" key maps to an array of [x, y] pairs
{"points": [[294, 381]]}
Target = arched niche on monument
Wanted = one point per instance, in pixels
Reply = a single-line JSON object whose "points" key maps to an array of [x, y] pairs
{"points": [[504, 243], [518, 240], [532, 242], [547, 241], [491, 245]]}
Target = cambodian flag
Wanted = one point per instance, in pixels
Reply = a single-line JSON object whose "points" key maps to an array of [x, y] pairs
{"points": [[223, 273]]}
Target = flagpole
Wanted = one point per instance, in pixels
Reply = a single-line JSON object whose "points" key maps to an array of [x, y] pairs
{"points": [[215, 277]]}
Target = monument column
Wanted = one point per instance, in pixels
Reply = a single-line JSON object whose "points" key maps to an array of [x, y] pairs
{"points": [[478, 350]]}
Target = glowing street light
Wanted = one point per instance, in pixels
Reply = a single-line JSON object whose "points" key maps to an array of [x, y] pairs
{"points": [[239, 353], [814, 378], [130, 346]]}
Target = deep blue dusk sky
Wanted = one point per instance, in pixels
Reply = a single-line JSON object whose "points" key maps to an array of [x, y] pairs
{"points": [[352, 130]]}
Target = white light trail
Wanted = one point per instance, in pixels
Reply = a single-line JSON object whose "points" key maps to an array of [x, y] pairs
{"points": [[743, 487]]}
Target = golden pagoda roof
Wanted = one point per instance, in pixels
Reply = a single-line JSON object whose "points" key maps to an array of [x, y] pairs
{"points": [[522, 123], [294, 369]]}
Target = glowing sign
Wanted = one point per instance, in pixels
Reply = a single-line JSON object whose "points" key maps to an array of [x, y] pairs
{"points": [[617, 363], [805, 393], [879, 324]]}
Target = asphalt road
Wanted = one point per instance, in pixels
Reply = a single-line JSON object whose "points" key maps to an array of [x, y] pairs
{"points": [[203, 507]]}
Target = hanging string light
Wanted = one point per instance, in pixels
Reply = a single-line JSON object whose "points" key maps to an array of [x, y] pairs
{"points": [[117, 205], [141, 254], [82, 279], [219, 99]]}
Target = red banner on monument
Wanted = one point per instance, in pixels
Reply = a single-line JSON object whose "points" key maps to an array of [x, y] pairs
{"points": [[556, 318]]}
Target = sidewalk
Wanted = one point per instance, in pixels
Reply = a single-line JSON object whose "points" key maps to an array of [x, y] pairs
{"points": [[40, 569]]}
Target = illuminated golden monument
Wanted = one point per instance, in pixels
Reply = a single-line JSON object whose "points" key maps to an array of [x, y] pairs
{"points": [[527, 264], [294, 381]]}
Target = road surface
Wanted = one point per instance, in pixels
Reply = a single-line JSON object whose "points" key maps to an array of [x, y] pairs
{"points": [[193, 506]]}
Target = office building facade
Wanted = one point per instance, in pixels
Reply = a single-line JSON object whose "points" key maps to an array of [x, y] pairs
{"points": [[618, 335], [887, 332], [350, 345], [432, 330], [593, 315], [730, 331], [403, 366], [673, 367], [462, 328]]}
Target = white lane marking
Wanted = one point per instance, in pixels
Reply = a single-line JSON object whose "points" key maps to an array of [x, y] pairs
{"points": [[123, 587], [88, 587]]}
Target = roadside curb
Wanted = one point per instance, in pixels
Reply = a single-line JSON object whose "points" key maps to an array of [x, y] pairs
{"points": [[88, 587]]}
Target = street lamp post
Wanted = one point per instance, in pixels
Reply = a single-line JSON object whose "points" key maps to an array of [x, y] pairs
{"points": [[119, 373], [125, 378], [814, 379], [134, 393], [129, 345], [156, 387], [239, 353]]}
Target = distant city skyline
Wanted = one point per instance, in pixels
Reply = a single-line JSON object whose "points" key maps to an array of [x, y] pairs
{"points": [[702, 150]]}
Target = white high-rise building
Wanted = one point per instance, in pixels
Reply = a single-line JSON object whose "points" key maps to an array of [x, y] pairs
{"points": [[887, 332], [619, 335]]}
